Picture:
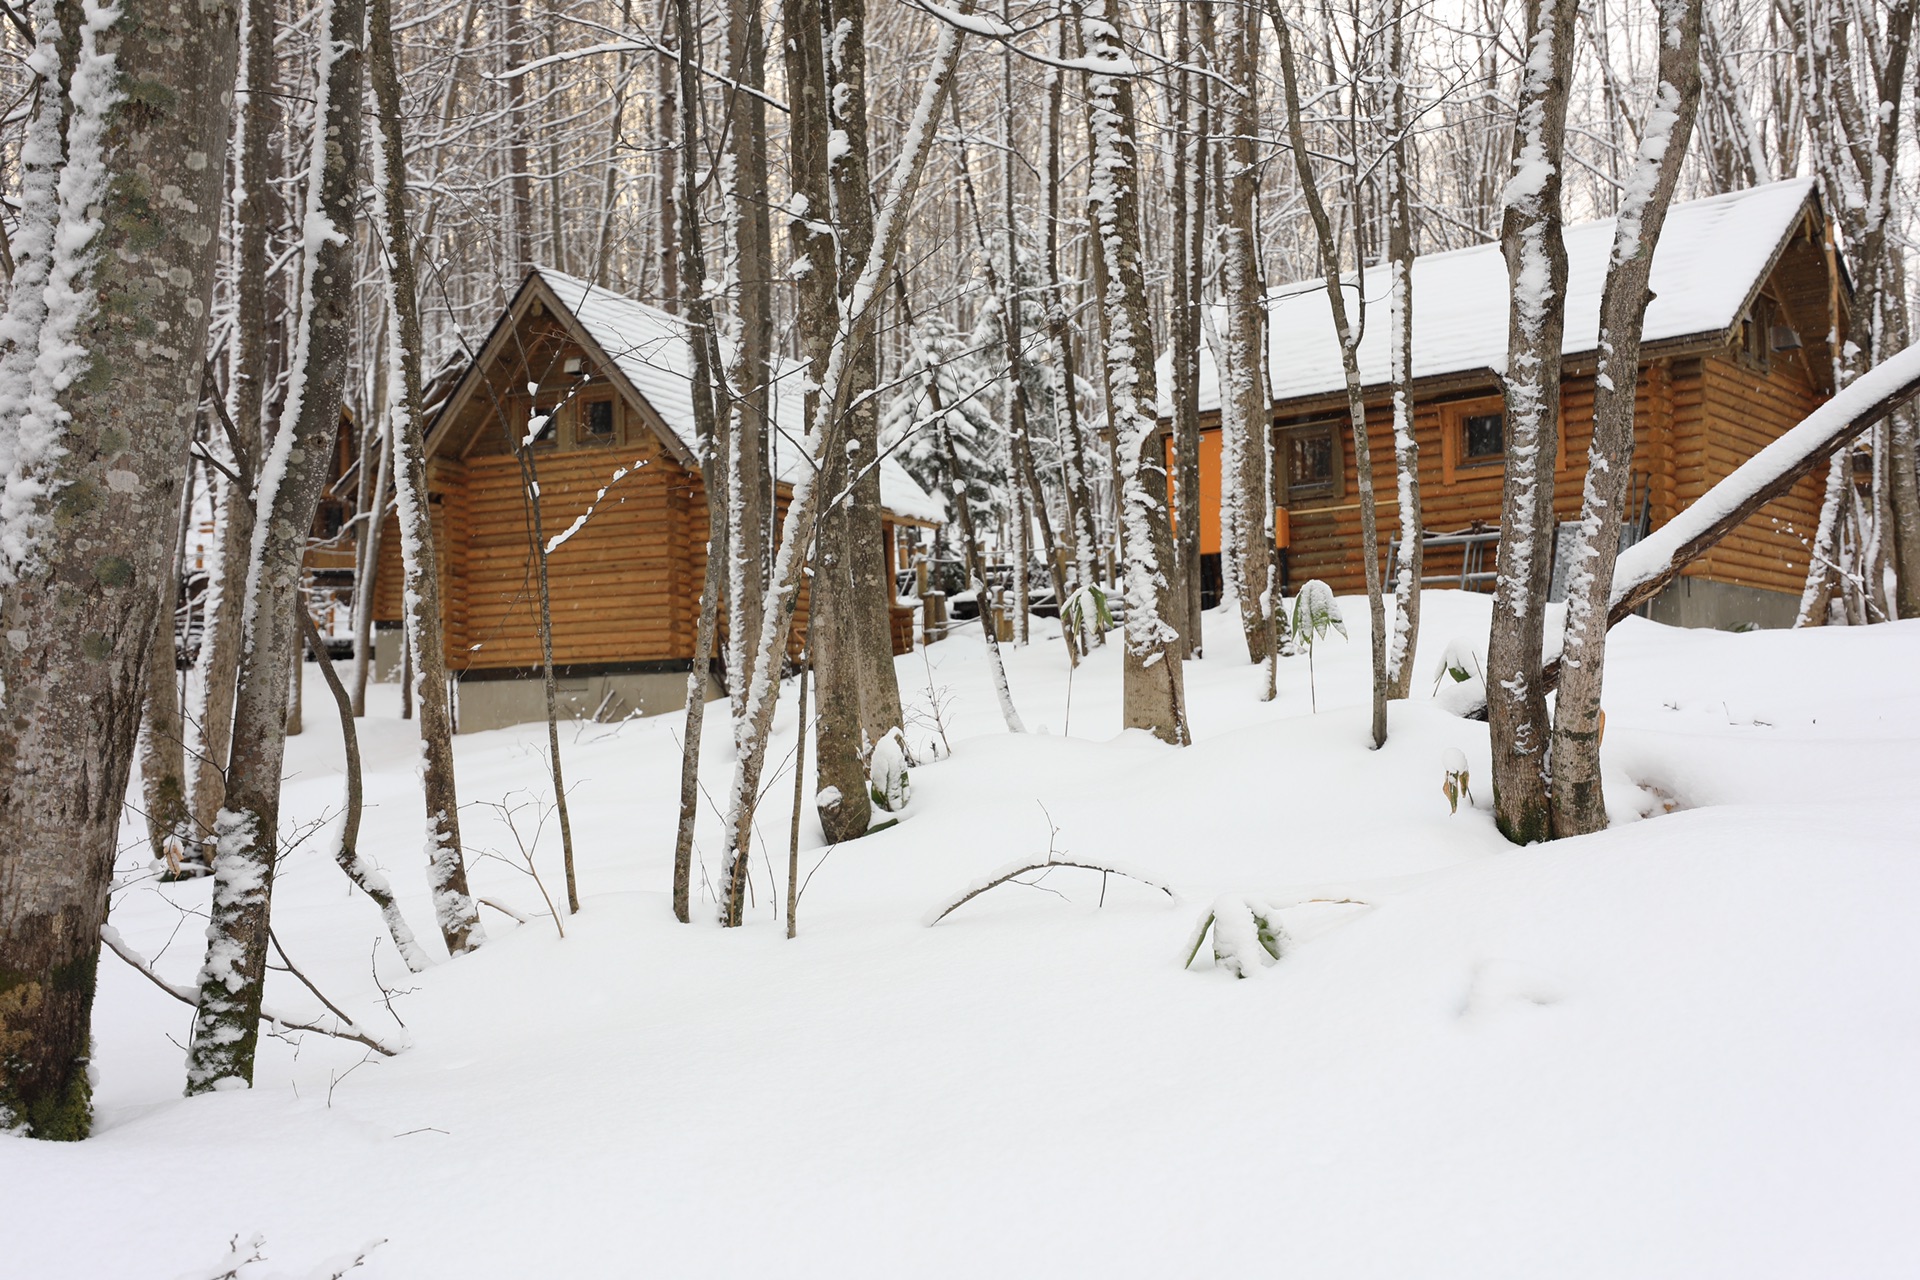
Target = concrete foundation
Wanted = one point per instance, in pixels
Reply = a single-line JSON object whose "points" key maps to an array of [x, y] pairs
{"points": [[494, 703], [1696, 602]]}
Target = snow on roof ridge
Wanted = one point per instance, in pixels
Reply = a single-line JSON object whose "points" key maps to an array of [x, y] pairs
{"points": [[1704, 270], [657, 364]]}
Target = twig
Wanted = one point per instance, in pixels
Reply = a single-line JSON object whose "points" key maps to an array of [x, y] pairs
{"points": [[345, 1029], [1005, 874]]}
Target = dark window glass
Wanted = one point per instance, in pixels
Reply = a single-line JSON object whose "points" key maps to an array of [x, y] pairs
{"points": [[1486, 435], [1310, 462], [599, 420]]}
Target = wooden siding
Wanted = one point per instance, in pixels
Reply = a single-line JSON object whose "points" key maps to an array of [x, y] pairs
{"points": [[625, 587], [1697, 419]]}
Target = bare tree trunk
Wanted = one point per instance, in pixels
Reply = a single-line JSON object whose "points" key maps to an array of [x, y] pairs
{"points": [[1072, 447], [1154, 696], [1246, 408], [255, 124], [163, 777], [720, 457], [1579, 807], [751, 377], [1406, 448], [103, 453], [833, 187], [226, 1025], [869, 614], [453, 906], [373, 514], [1537, 274], [860, 315], [347, 853], [530, 489], [1189, 221], [1349, 339], [513, 21]]}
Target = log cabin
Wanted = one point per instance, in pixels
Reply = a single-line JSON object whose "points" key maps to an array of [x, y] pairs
{"points": [[620, 491], [1747, 287]]}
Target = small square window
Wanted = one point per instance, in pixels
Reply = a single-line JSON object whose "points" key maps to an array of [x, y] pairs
{"points": [[1484, 435], [1310, 460], [596, 420]]}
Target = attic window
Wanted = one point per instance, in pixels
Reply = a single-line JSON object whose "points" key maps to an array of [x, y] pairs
{"points": [[1483, 437], [596, 420], [1756, 332]]}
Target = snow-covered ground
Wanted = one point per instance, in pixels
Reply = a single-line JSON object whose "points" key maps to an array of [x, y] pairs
{"points": [[1684, 1047]]}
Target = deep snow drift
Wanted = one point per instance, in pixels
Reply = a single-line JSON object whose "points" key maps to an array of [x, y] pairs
{"points": [[1684, 1047]]}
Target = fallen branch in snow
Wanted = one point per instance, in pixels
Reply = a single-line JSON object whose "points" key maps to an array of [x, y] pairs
{"points": [[1645, 569], [1007, 873], [344, 1028], [520, 917]]}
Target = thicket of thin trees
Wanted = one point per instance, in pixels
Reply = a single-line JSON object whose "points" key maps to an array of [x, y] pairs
{"points": [[1001, 236]]}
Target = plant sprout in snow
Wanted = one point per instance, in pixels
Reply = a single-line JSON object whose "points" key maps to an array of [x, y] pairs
{"points": [[1315, 612]]}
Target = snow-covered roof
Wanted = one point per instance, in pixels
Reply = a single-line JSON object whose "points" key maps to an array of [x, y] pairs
{"points": [[1711, 256], [651, 349]]}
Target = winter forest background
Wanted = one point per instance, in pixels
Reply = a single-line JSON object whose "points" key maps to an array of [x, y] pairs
{"points": [[992, 244]]}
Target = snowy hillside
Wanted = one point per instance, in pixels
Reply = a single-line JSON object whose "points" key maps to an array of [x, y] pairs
{"points": [[1684, 1047]]}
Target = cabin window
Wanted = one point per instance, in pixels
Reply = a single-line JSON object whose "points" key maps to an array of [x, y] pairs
{"points": [[1756, 332], [1312, 461], [596, 422], [1483, 437]]}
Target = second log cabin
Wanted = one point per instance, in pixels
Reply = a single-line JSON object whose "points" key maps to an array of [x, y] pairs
{"points": [[1747, 287]]}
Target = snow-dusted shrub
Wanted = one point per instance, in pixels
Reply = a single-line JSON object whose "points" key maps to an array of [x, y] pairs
{"points": [[1084, 612], [887, 773], [1247, 935], [1460, 681], [1315, 612]]}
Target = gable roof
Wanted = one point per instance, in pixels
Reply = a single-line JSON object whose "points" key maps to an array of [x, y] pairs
{"points": [[1713, 256], [647, 350]]}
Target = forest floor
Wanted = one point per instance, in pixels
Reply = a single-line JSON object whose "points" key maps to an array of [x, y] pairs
{"points": [[1684, 1047]]}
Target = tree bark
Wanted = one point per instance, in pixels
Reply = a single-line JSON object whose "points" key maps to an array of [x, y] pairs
{"points": [[1537, 274], [1246, 408], [720, 456], [226, 1026], [453, 905], [860, 316], [751, 378], [1406, 447], [138, 228], [1189, 219], [163, 777], [255, 124], [1154, 690], [1349, 339], [1579, 806], [830, 189]]}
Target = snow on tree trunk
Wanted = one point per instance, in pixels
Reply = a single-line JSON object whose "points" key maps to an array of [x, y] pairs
{"points": [[1349, 339], [95, 453], [1154, 691], [1072, 447], [1246, 406], [859, 315], [1578, 804], [829, 165], [1405, 641], [1537, 274], [454, 908], [751, 377], [226, 1026], [255, 121], [1183, 319]]}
